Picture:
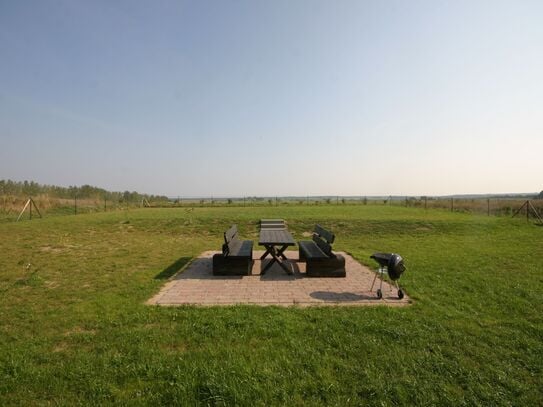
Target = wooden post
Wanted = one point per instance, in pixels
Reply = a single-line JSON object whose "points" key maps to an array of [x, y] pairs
{"points": [[425, 202], [35, 206], [24, 209], [75, 205], [487, 206], [520, 209], [29, 203], [529, 207], [452, 204], [535, 212], [105, 204]]}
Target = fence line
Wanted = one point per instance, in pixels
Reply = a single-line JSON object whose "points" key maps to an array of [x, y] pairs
{"points": [[498, 206]]}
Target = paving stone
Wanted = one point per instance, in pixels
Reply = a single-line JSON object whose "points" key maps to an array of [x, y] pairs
{"points": [[196, 285]]}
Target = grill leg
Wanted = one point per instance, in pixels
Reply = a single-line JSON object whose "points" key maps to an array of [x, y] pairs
{"points": [[374, 278], [398, 289]]}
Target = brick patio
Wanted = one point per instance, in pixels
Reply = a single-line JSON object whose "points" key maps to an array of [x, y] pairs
{"points": [[196, 285]]}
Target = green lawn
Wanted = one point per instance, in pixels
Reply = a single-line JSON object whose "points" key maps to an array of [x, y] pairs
{"points": [[74, 328]]}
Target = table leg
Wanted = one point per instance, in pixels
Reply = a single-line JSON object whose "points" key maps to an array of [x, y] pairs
{"points": [[276, 258], [267, 267], [281, 250], [268, 251], [284, 267]]}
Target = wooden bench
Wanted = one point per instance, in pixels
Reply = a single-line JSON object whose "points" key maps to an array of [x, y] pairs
{"points": [[318, 256], [236, 258]]}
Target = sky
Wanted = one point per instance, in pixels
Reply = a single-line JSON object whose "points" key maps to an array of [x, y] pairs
{"points": [[266, 98]]}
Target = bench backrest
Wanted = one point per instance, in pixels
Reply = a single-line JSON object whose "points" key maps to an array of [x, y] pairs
{"points": [[324, 239], [272, 224], [230, 240], [325, 234]]}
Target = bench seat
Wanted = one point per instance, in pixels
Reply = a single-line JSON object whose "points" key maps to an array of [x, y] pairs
{"points": [[241, 249], [309, 249]]}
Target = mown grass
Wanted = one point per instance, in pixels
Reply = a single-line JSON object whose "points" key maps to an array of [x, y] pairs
{"points": [[74, 328]]}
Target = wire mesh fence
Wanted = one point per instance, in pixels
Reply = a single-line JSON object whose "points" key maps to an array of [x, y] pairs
{"points": [[10, 206]]}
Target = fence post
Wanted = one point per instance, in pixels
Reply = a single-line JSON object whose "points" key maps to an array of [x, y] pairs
{"points": [[105, 204], [487, 206], [452, 204], [75, 204], [425, 202]]}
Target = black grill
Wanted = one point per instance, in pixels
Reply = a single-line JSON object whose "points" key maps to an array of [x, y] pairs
{"points": [[390, 264]]}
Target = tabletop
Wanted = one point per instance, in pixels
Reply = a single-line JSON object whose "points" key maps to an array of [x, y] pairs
{"points": [[275, 237]]}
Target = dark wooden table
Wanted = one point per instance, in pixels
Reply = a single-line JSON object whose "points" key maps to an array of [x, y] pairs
{"points": [[276, 242]]}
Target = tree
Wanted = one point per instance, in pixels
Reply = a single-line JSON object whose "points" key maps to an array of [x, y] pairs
{"points": [[540, 196]]}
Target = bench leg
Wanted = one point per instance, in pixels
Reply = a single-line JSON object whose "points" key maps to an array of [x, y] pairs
{"points": [[334, 267], [231, 267]]}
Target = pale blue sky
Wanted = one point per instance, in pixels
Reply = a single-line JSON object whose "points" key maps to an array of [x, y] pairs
{"points": [[232, 98]]}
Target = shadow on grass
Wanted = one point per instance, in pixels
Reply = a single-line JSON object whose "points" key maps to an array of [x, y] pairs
{"points": [[173, 268], [201, 268]]}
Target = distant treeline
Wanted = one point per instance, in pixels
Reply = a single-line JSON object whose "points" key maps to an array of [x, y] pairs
{"points": [[31, 188]]}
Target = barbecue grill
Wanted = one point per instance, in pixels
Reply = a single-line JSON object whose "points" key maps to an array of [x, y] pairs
{"points": [[390, 264]]}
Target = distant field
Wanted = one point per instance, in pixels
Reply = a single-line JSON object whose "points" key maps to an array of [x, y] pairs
{"points": [[74, 328]]}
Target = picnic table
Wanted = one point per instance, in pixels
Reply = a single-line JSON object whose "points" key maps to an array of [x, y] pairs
{"points": [[276, 241]]}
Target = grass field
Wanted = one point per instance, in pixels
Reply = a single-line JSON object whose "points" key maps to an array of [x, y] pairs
{"points": [[74, 328]]}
